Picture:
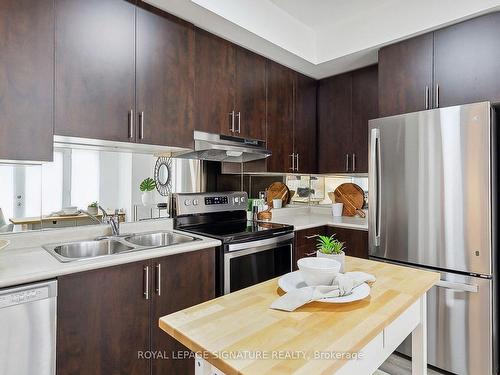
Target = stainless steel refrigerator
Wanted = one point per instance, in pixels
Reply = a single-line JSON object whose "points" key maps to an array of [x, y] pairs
{"points": [[432, 204]]}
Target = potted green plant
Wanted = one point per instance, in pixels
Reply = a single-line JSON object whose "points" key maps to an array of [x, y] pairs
{"points": [[93, 208], [147, 186], [330, 247]]}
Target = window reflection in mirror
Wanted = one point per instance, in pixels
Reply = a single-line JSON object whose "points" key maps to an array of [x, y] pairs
{"points": [[20, 197], [70, 190]]}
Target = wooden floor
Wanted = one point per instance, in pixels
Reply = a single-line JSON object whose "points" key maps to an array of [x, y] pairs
{"points": [[398, 365]]}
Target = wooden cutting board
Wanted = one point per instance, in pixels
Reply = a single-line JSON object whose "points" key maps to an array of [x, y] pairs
{"points": [[278, 190], [353, 198]]}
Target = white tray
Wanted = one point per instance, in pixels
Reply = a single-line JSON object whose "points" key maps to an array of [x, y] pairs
{"points": [[293, 280]]}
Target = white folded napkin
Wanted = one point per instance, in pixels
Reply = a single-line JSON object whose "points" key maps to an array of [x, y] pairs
{"points": [[343, 284]]}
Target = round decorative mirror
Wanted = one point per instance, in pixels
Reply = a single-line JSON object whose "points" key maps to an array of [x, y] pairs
{"points": [[163, 175]]}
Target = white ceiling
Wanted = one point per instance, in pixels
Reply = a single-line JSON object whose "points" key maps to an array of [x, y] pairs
{"points": [[321, 38]]}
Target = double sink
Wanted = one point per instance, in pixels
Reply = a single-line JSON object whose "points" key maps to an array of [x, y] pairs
{"points": [[103, 246]]}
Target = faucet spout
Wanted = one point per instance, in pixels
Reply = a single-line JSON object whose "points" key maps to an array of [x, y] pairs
{"points": [[112, 220]]}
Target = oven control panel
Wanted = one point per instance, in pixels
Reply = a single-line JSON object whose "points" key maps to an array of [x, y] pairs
{"points": [[199, 203], [223, 199]]}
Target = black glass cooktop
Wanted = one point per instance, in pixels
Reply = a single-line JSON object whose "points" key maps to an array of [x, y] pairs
{"points": [[236, 231]]}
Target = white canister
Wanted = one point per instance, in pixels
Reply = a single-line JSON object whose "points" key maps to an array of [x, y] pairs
{"points": [[277, 203], [337, 209]]}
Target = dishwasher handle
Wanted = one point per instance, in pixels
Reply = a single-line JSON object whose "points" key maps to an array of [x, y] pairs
{"points": [[27, 293]]}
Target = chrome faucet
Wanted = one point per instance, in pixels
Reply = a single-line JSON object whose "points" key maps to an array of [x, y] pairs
{"points": [[112, 220]]}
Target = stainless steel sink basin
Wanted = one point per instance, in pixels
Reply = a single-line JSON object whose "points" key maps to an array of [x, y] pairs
{"points": [[159, 239], [87, 249], [103, 246]]}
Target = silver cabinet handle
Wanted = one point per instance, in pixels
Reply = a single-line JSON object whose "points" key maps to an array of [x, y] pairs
{"points": [[374, 183], [293, 161], [437, 96], [311, 237], [239, 122], [158, 279], [347, 162], [459, 287], [426, 97], [297, 165], [231, 129], [131, 124], [354, 162], [146, 282], [141, 125]]}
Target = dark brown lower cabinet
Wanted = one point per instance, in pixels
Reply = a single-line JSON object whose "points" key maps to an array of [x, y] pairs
{"points": [[186, 280], [356, 241], [107, 326], [103, 322]]}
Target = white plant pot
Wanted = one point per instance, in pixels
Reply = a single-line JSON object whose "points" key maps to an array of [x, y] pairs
{"points": [[92, 210], [338, 257], [147, 198]]}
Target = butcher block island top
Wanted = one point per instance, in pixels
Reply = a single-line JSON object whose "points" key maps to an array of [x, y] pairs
{"points": [[239, 334]]}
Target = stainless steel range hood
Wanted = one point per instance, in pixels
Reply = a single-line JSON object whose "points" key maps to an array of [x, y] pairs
{"points": [[215, 147]]}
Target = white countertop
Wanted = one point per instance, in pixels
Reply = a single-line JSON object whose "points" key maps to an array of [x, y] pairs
{"points": [[310, 217], [25, 261]]}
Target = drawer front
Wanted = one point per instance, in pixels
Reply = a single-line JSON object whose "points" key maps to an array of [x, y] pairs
{"points": [[307, 237]]}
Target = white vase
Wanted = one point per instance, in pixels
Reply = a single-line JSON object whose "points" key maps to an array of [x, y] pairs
{"points": [[147, 198], [338, 257], [92, 210]]}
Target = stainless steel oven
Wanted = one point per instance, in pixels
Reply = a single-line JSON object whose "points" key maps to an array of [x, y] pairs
{"points": [[251, 251], [250, 263]]}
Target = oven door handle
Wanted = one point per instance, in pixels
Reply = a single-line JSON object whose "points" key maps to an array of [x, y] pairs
{"points": [[261, 243]]}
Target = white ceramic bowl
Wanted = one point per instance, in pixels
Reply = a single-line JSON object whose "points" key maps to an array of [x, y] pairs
{"points": [[318, 271]]}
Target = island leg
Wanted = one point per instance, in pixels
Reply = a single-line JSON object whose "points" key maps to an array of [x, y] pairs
{"points": [[419, 341]]}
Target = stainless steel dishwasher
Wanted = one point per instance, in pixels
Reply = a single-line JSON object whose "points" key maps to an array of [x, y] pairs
{"points": [[28, 329]]}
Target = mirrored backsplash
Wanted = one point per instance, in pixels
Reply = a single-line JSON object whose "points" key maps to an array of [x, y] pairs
{"points": [[313, 190], [69, 191]]}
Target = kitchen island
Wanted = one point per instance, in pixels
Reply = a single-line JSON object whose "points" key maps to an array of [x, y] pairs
{"points": [[239, 334]]}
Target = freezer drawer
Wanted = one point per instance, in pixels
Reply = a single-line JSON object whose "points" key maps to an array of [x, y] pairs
{"points": [[459, 325], [28, 329]]}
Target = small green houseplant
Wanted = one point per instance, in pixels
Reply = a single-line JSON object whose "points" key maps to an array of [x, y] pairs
{"points": [[330, 247], [93, 208], [147, 186]]}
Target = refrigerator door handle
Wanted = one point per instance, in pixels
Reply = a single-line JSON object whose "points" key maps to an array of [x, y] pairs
{"points": [[459, 287], [375, 184]]}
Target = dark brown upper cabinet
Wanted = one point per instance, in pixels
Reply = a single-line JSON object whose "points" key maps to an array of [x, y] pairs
{"points": [[364, 108], [26, 79], [214, 84], [95, 69], [250, 91], [280, 84], [291, 124], [467, 61], [165, 79], [455, 65], [334, 123], [405, 76], [304, 124], [230, 88], [345, 104]]}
